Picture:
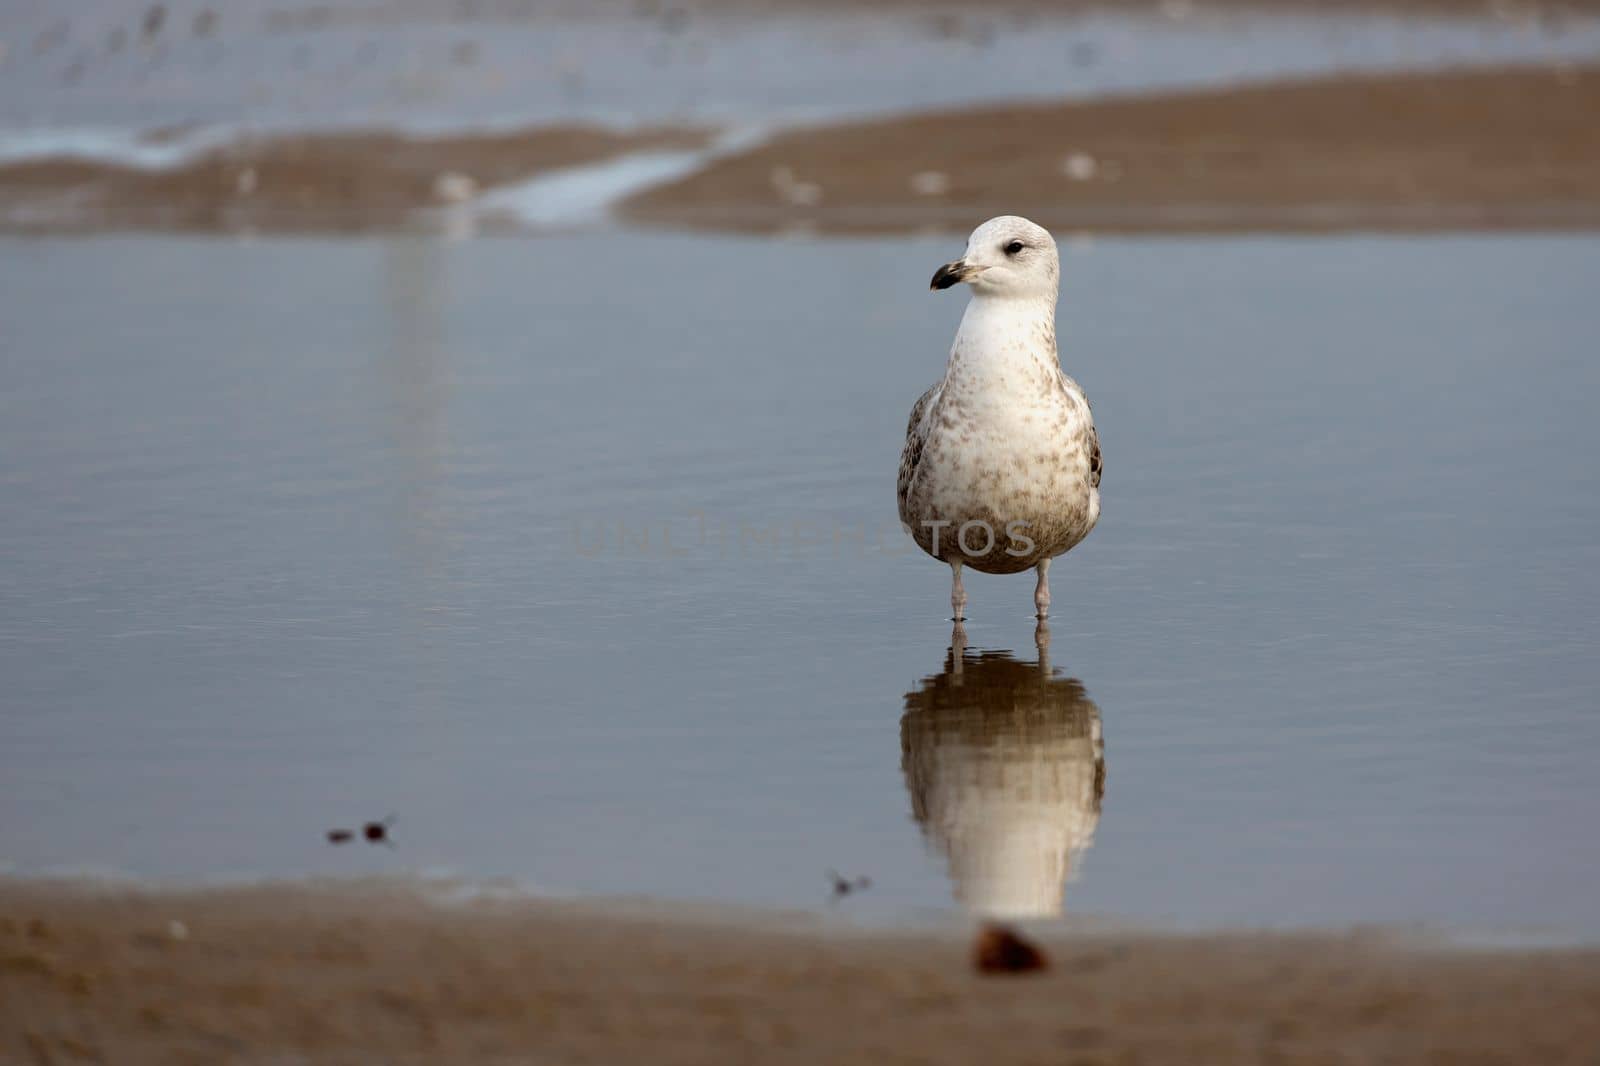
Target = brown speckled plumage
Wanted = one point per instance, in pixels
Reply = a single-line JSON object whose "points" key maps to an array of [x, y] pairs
{"points": [[1005, 439]]}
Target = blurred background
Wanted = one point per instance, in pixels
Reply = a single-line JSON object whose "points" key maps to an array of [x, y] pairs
{"points": [[546, 115], [486, 412]]}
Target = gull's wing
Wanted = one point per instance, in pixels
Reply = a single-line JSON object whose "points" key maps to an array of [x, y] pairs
{"points": [[1072, 387], [916, 437], [1094, 456]]}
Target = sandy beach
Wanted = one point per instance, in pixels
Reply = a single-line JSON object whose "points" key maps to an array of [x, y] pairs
{"points": [[1458, 150], [376, 972]]}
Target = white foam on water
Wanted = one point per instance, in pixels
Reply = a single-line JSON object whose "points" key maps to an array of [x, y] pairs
{"points": [[586, 195], [112, 147]]}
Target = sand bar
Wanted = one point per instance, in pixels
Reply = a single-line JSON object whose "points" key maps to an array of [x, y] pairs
{"points": [[1500, 148], [1515, 147], [335, 181]]}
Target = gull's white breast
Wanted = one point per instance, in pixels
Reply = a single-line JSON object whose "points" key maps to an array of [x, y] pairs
{"points": [[1005, 443]]}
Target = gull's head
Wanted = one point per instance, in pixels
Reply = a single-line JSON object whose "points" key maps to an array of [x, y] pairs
{"points": [[1006, 256]]}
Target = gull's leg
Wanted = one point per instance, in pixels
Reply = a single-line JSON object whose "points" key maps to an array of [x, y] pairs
{"points": [[1041, 594], [958, 595]]}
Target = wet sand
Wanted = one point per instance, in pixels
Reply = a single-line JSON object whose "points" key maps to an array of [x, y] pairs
{"points": [[1482, 149], [374, 972], [307, 182]]}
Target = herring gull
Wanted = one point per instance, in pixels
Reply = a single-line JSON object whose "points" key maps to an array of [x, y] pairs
{"points": [[1001, 465]]}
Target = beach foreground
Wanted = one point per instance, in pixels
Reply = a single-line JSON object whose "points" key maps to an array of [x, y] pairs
{"points": [[380, 972]]}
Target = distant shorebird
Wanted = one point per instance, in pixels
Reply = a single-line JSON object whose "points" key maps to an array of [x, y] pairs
{"points": [[1001, 466]]}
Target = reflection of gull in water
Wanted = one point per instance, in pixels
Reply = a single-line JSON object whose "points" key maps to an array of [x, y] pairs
{"points": [[1006, 769]]}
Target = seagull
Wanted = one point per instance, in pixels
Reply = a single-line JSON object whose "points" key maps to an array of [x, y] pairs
{"points": [[1001, 465]]}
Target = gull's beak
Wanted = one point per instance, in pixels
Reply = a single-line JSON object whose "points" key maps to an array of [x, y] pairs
{"points": [[953, 274]]}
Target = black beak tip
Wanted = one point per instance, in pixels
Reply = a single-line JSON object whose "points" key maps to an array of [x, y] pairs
{"points": [[946, 276]]}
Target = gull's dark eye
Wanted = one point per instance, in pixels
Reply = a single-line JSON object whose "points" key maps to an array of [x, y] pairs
{"points": [[1014, 247]]}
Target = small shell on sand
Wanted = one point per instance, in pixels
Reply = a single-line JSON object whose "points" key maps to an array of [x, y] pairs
{"points": [[792, 191], [1080, 166], [454, 188], [1000, 949]]}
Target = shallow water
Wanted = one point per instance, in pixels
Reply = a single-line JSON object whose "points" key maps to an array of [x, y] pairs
{"points": [[578, 554]]}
